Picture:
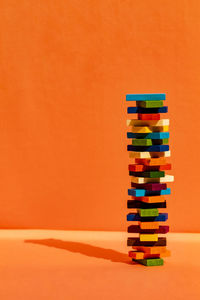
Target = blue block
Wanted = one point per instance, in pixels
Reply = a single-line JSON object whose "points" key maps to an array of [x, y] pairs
{"points": [[142, 110], [145, 97], [143, 192], [136, 217], [153, 135], [154, 148]]}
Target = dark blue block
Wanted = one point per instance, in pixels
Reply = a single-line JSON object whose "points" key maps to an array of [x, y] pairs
{"points": [[136, 217], [142, 110], [154, 148], [145, 97], [152, 135]]}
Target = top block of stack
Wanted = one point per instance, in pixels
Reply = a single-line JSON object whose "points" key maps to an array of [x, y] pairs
{"points": [[145, 97]]}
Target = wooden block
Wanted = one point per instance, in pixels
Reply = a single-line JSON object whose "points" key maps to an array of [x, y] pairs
{"points": [[145, 97], [154, 148], [148, 237], [149, 129], [135, 122], [136, 242], [149, 142], [150, 186], [140, 180], [148, 212], [151, 135], [141, 110], [162, 217], [142, 255], [142, 192], [150, 104], [149, 116], [149, 154], [142, 142], [143, 168], [150, 261], [148, 225], [149, 174], [151, 161], [141, 129], [141, 204], [138, 229], [151, 250], [151, 199]]}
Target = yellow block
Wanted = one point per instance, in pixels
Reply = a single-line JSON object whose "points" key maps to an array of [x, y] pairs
{"points": [[149, 154], [148, 237], [163, 122], [141, 129]]}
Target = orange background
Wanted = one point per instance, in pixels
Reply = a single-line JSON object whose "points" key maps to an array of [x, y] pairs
{"points": [[65, 69]]}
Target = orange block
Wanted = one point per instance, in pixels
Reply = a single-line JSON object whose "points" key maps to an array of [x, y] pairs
{"points": [[151, 161], [143, 255], [151, 250], [150, 199], [149, 225]]}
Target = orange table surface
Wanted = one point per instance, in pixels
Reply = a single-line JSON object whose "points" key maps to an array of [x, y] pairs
{"points": [[48, 264]]}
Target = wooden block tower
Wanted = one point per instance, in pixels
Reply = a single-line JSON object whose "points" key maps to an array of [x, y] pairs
{"points": [[149, 152]]}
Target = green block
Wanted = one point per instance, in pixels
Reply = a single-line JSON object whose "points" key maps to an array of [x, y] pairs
{"points": [[150, 261], [142, 142], [148, 212], [151, 174], [150, 104]]}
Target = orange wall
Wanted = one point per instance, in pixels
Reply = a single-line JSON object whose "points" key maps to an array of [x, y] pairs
{"points": [[65, 67]]}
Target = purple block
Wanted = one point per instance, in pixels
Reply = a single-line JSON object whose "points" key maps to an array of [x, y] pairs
{"points": [[150, 186]]}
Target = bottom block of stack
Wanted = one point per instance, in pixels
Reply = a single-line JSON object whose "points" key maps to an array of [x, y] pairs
{"points": [[150, 261]]}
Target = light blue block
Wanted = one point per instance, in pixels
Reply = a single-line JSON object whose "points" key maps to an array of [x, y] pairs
{"points": [[142, 192], [145, 97], [153, 135]]}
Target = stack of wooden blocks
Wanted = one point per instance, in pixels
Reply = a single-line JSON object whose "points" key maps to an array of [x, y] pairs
{"points": [[149, 152]]}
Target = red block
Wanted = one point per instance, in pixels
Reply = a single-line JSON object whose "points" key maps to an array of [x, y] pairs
{"points": [[150, 186], [148, 116], [142, 168]]}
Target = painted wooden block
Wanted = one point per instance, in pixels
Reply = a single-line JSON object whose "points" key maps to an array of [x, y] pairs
{"points": [[142, 255], [154, 148], [141, 204], [142, 142], [150, 261], [149, 116], [148, 237], [143, 180], [151, 161], [135, 122], [149, 225], [142, 193], [138, 229], [150, 186], [149, 174], [151, 199], [141, 110], [149, 154], [141, 129], [143, 168], [150, 104], [149, 129], [162, 217], [131, 241], [148, 212], [151, 250], [145, 97], [151, 135], [149, 142]]}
